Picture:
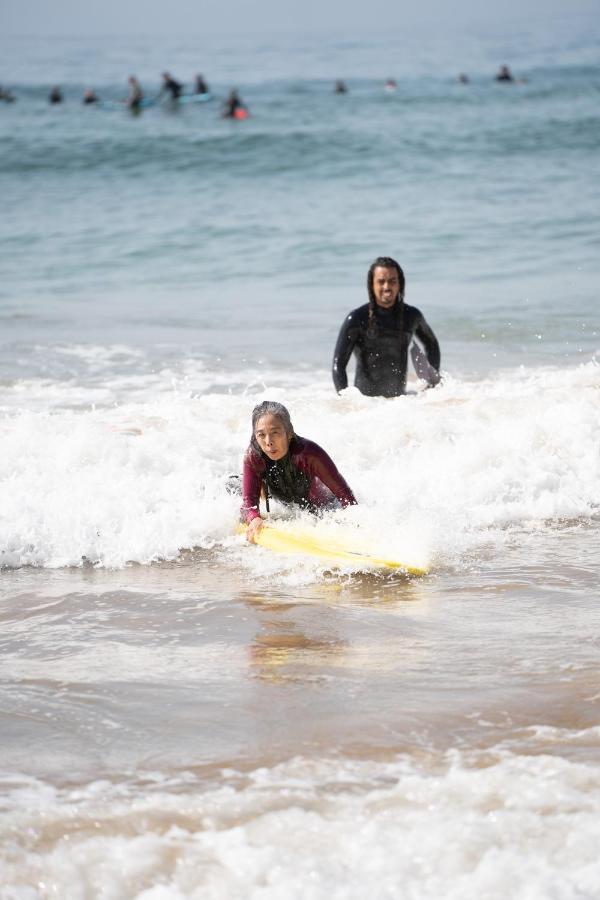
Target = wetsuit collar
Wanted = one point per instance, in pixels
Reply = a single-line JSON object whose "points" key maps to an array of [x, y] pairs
{"points": [[382, 311]]}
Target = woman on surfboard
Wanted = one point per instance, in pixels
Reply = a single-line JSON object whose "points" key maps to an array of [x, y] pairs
{"points": [[285, 466]]}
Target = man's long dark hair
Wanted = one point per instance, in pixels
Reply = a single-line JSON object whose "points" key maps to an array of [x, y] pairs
{"points": [[383, 262]]}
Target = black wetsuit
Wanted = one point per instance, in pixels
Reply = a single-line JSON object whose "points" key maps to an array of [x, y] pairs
{"points": [[232, 105], [174, 87], [381, 349]]}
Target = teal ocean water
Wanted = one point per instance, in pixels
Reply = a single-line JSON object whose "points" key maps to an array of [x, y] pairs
{"points": [[179, 227], [183, 715]]}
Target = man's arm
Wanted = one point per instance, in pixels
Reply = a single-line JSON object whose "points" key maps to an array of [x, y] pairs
{"points": [[343, 351], [431, 346]]}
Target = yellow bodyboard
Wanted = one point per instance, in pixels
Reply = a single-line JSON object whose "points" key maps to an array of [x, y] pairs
{"points": [[284, 540]]}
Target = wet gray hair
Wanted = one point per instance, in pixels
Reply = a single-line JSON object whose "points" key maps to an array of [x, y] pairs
{"points": [[271, 408]]}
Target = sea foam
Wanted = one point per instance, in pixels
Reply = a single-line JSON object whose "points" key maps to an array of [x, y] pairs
{"points": [[437, 474], [495, 826]]}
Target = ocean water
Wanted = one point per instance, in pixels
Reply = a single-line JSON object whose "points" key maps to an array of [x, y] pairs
{"points": [[183, 715]]}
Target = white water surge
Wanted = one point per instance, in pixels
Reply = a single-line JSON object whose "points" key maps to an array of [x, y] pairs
{"points": [[497, 825], [437, 475]]}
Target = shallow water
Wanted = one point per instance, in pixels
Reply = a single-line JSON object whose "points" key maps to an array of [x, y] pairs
{"points": [[469, 658], [187, 733]]}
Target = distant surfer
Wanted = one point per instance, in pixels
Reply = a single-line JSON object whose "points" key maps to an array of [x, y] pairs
{"points": [[287, 467], [171, 86], [340, 87], [200, 85], [234, 108], [89, 96], [136, 95], [504, 74], [6, 96], [380, 334], [391, 86], [55, 95], [463, 78]]}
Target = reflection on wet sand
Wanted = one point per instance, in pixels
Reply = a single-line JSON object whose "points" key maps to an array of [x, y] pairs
{"points": [[280, 656], [314, 635]]}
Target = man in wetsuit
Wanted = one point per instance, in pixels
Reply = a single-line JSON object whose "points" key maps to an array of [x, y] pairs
{"points": [[171, 86], [234, 108], [504, 74], [380, 334], [200, 85]]}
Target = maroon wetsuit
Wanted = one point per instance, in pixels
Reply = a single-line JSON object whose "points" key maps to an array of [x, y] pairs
{"points": [[306, 476]]}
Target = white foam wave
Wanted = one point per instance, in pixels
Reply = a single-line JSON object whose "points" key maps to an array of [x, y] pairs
{"points": [[437, 475], [497, 826]]}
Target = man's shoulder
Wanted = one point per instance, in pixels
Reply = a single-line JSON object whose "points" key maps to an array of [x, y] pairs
{"points": [[412, 313], [358, 316]]}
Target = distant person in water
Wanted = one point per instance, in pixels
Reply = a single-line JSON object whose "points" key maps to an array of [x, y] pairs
{"points": [[6, 96], [171, 86], [90, 96], [391, 85], [463, 79], [200, 85], [380, 334], [340, 87], [136, 95], [55, 95], [280, 464], [504, 74], [234, 108]]}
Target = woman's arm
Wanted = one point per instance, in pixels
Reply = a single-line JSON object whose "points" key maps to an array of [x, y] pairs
{"points": [[251, 485], [322, 466]]}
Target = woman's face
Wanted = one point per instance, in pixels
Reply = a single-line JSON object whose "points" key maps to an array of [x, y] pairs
{"points": [[271, 437]]}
